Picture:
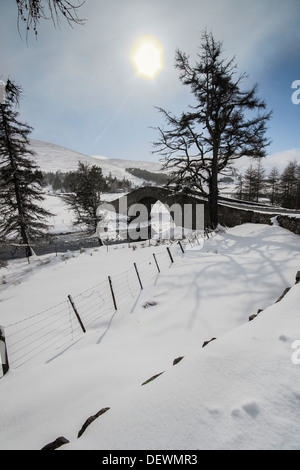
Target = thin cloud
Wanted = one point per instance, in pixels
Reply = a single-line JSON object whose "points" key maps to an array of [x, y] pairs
{"points": [[79, 77]]}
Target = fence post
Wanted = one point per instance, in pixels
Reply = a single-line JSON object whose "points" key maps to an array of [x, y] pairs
{"points": [[112, 292], [158, 268], [76, 313], [138, 275], [180, 244], [3, 352], [170, 254]]}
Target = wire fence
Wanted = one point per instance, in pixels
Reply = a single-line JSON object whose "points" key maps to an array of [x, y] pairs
{"points": [[48, 333]]}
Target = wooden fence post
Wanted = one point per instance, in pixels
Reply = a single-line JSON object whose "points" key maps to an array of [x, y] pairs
{"points": [[158, 268], [170, 254], [138, 275], [112, 292], [180, 244], [3, 352], [76, 313]]}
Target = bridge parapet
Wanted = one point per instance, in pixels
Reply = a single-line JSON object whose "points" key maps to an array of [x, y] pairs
{"points": [[187, 212]]}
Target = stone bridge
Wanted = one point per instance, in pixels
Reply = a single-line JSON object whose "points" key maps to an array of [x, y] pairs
{"points": [[187, 211]]}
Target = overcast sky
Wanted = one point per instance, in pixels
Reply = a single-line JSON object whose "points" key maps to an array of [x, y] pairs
{"points": [[81, 90]]}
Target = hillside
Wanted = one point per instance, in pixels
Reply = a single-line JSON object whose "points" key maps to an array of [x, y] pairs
{"points": [[52, 158]]}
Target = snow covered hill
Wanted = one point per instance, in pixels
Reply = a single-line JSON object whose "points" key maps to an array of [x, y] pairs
{"points": [[240, 392], [52, 158]]}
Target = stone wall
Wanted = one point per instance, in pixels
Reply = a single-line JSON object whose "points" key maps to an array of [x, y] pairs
{"points": [[230, 217], [290, 223]]}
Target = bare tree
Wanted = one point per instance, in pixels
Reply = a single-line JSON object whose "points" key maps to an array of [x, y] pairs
{"points": [[201, 143], [30, 12]]}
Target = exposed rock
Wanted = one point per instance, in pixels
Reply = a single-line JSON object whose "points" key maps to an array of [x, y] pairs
{"points": [[255, 314], [61, 441], [177, 360], [207, 342], [252, 317], [283, 294], [152, 378], [151, 303], [91, 419]]}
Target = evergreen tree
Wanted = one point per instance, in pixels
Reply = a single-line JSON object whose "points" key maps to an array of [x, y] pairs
{"points": [[21, 182], [297, 206], [259, 180], [85, 187], [289, 183], [249, 183], [273, 185], [253, 182], [57, 182], [218, 129]]}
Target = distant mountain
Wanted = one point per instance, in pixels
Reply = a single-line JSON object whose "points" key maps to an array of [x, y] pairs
{"points": [[52, 158]]}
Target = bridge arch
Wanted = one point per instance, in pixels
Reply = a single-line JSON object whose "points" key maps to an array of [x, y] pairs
{"points": [[137, 206]]}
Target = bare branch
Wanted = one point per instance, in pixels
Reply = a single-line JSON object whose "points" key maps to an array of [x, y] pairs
{"points": [[30, 12]]}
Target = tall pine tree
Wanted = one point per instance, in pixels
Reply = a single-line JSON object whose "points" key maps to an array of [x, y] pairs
{"points": [[290, 186], [21, 194], [273, 184], [219, 128]]}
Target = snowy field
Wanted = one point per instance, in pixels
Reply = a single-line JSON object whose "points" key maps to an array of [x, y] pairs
{"points": [[240, 392]]}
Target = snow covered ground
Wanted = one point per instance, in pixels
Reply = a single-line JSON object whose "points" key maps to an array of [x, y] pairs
{"points": [[240, 392]]}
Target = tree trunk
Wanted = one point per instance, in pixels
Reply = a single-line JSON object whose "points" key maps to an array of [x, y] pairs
{"points": [[214, 193]]}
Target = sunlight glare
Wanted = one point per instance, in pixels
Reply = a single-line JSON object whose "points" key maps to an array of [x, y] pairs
{"points": [[147, 57]]}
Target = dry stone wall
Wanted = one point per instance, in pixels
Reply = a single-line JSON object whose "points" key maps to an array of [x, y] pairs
{"points": [[290, 223]]}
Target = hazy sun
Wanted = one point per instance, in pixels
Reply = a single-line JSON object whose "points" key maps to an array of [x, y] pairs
{"points": [[147, 57]]}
